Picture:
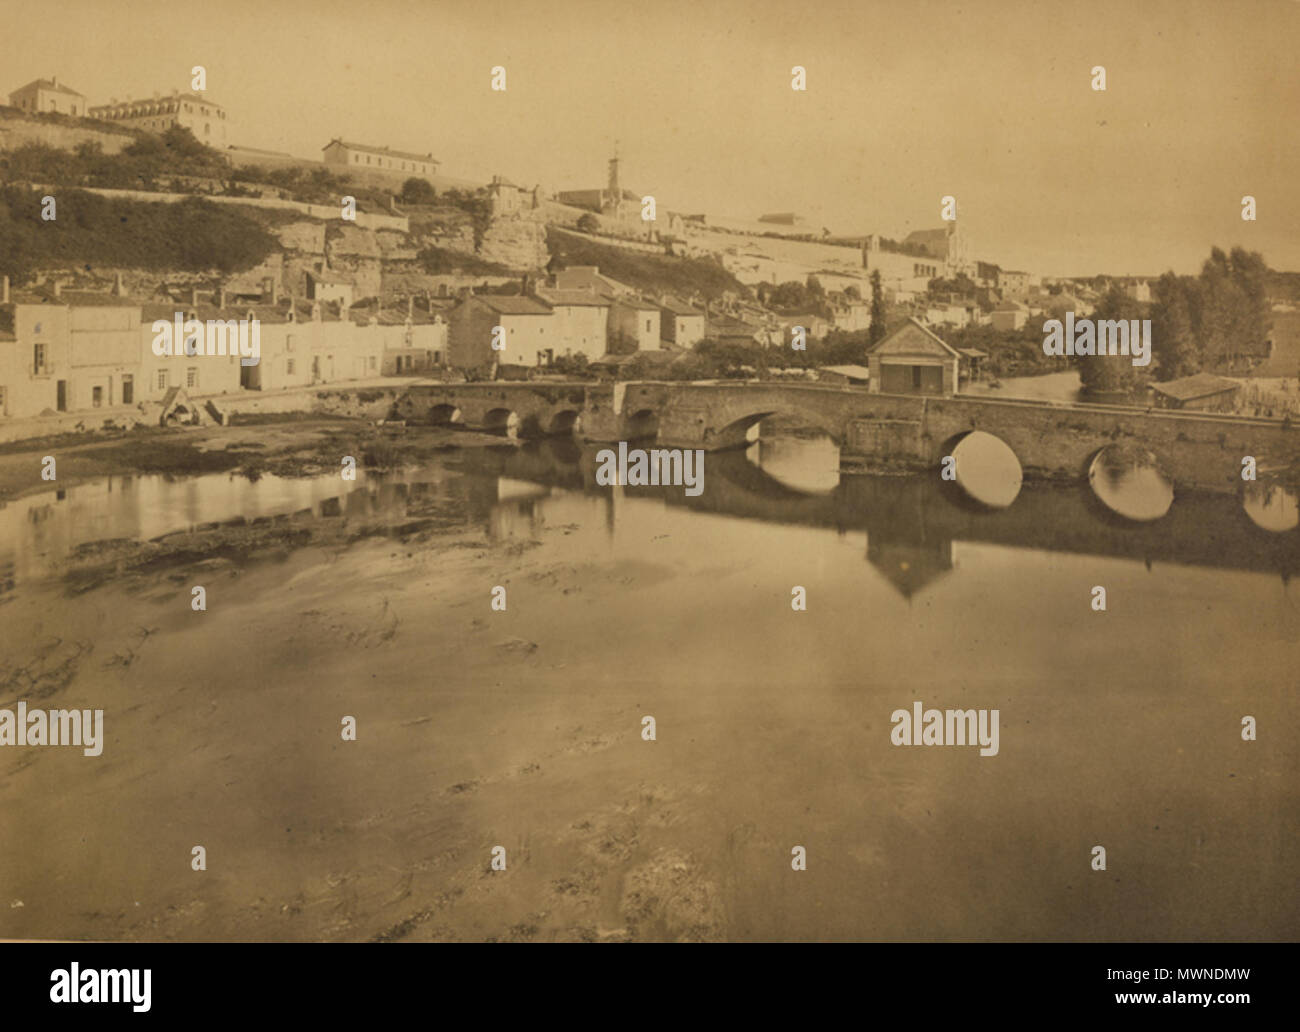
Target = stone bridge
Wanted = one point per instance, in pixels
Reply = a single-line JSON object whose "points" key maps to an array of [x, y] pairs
{"points": [[924, 516], [1197, 449]]}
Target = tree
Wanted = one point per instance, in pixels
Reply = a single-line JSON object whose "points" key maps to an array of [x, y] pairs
{"points": [[1112, 373], [877, 330], [852, 291], [1173, 339], [588, 223], [418, 191]]}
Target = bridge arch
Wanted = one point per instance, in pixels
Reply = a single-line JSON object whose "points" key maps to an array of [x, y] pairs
{"points": [[1130, 481], [985, 469], [641, 425], [735, 433], [445, 415], [502, 421], [566, 421]]}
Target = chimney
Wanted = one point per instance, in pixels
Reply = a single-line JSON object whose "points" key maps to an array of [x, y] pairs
{"points": [[4, 290], [54, 79], [194, 297], [221, 296], [117, 285]]}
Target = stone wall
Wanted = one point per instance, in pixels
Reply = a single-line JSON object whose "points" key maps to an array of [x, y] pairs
{"points": [[18, 132]]}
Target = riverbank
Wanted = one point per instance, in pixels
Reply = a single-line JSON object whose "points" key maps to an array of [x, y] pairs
{"points": [[299, 445]]}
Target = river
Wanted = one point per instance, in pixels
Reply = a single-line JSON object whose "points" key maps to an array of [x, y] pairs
{"points": [[1120, 727]]}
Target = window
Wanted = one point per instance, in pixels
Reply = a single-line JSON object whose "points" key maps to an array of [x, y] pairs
{"points": [[372, 362], [128, 389], [647, 326], [289, 342], [38, 359], [162, 379], [288, 367], [96, 397], [192, 376], [916, 377]]}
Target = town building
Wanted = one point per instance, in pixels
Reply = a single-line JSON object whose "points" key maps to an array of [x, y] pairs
{"points": [[1203, 392], [947, 244], [412, 335], [589, 277], [204, 118], [679, 323], [634, 325], [845, 375], [327, 285], [65, 350], [1013, 282], [42, 96], [1009, 316], [361, 156], [509, 198], [912, 360], [612, 201], [529, 332], [580, 321]]}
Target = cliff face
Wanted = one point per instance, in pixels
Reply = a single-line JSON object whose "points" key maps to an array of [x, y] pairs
{"points": [[374, 259], [515, 243]]}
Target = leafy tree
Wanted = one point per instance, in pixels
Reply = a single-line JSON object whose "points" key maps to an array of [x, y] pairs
{"points": [[852, 291], [877, 331], [1112, 373], [588, 223], [1173, 339], [418, 191]]}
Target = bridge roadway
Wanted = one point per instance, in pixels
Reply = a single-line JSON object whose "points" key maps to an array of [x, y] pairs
{"points": [[1201, 450]]}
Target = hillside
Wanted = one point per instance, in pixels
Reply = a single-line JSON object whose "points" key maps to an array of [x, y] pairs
{"points": [[649, 272], [90, 230]]}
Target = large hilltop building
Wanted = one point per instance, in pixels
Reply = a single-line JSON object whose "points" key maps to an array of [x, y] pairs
{"points": [[204, 118], [613, 200], [48, 95], [360, 155]]}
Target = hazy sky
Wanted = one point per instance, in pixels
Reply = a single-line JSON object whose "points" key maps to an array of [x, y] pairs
{"points": [[989, 101]]}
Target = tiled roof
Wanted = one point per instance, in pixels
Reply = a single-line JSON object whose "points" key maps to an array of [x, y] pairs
{"points": [[1199, 385], [386, 152], [677, 307], [634, 302], [330, 276], [49, 84], [574, 297], [506, 304]]}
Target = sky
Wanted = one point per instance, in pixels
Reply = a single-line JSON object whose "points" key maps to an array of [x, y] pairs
{"points": [[987, 101]]}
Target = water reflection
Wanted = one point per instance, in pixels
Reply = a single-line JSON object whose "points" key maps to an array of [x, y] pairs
{"points": [[809, 462], [987, 469], [1130, 482], [1272, 506], [910, 522]]}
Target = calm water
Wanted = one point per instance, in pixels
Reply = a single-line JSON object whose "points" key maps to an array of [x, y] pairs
{"points": [[778, 483], [1118, 727]]}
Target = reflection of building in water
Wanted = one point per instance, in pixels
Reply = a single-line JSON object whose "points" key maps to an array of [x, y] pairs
{"points": [[910, 567], [8, 579]]}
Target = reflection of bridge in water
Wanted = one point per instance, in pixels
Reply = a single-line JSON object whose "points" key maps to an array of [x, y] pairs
{"points": [[912, 521]]}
